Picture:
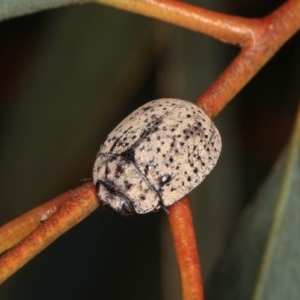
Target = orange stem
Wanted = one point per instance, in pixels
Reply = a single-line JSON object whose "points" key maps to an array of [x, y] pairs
{"points": [[259, 40], [224, 27], [181, 222], [16, 230], [78, 204], [269, 35]]}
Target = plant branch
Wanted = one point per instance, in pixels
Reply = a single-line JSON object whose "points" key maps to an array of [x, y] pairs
{"points": [[269, 35], [224, 27], [231, 29], [259, 40], [77, 205], [16, 230], [181, 222]]}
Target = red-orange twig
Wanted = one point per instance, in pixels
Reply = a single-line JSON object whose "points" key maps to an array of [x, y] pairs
{"points": [[182, 228], [14, 231], [259, 40], [224, 27], [78, 204], [268, 35]]}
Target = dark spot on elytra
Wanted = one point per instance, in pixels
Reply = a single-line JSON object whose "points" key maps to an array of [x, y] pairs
{"points": [[128, 155], [189, 178], [119, 170], [107, 171], [128, 185], [146, 170]]}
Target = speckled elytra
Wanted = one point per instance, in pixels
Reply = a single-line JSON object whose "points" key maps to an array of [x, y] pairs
{"points": [[155, 156]]}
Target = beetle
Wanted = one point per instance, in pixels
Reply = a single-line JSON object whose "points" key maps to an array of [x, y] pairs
{"points": [[155, 156]]}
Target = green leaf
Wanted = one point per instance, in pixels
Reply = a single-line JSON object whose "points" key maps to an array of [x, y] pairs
{"points": [[13, 8], [263, 261]]}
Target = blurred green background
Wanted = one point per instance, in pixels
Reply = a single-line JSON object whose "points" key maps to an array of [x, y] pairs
{"points": [[68, 76]]}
